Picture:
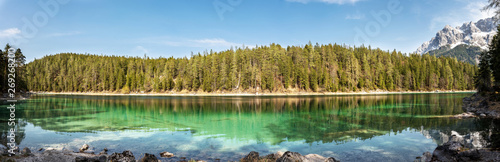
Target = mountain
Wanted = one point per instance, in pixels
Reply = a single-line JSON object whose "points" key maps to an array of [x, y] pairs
{"points": [[462, 52], [471, 34]]}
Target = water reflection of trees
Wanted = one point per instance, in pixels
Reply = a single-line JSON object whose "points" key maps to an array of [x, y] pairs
{"points": [[5, 128], [313, 119]]}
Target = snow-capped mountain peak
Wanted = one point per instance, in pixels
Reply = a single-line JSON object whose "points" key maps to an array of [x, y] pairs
{"points": [[478, 33]]}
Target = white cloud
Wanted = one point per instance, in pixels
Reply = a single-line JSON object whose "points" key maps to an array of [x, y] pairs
{"points": [[470, 12], [11, 32], [326, 1]]}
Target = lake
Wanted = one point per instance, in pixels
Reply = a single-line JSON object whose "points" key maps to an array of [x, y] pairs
{"points": [[396, 127]]}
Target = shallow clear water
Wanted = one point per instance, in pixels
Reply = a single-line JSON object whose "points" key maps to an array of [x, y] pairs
{"points": [[349, 128]]}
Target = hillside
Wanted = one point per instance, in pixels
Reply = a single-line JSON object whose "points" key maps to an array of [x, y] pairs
{"points": [[312, 68], [463, 52]]}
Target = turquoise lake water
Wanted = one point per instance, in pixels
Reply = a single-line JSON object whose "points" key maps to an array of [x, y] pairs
{"points": [[349, 128]]}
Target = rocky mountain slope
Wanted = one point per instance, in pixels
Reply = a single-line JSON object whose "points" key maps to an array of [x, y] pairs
{"points": [[463, 52], [471, 34]]}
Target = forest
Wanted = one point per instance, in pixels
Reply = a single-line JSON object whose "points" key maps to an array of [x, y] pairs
{"points": [[265, 69], [19, 74]]}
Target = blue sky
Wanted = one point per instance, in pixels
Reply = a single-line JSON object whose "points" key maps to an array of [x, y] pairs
{"points": [[179, 27]]}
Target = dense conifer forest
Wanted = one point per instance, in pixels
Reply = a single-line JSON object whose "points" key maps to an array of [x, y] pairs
{"points": [[19, 77], [273, 68]]}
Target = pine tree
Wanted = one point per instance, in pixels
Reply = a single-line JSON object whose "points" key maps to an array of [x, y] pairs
{"points": [[483, 79], [494, 59]]}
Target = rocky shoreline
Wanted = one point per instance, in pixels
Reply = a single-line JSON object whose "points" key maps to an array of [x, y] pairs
{"points": [[481, 106], [470, 147], [52, 155]]}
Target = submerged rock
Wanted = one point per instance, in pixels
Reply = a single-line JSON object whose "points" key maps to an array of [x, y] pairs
{"points": [[126, 156], [25, 151], [319, 158], [61, 156], [426, 157], [91, 159], [166, 154], [148, 158], [465, 115], [84, 148], [286, 157], [104, 151]]}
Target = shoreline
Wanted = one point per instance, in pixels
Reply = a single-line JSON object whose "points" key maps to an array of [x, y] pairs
{"points": [[204, 94], [84, 155]]}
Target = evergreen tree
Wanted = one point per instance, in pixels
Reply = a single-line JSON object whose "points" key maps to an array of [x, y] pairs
{"points": [[319, 68], [494, 59]]}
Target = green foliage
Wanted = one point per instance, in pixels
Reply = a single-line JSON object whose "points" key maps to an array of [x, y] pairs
{"points": [[494, 59], [19, 74], [313, 68], [125, 90], [483, 77]]}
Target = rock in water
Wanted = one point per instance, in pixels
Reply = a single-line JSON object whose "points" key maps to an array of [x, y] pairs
{"points": [[271, 157], [447, 152], [25, 151], [251, 157], [126, 156], [166, 154], [291, 157], [85, 147], [331, 159], [427, 156], [104, 152], [90, 159], [149, 158], [314, 157]]}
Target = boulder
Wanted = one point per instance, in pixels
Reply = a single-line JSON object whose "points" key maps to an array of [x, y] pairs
{"points": [[447, 151], [149, 158], [331, 159], [91, 159], [85, 147], [426, 157], [25, 151], [291, 157], [126, 156], [251, 157], [104, 151], [166, 154], [271, 157]]}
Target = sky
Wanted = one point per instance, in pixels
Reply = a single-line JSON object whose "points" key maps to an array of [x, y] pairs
{"points": [[166, 28]]}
